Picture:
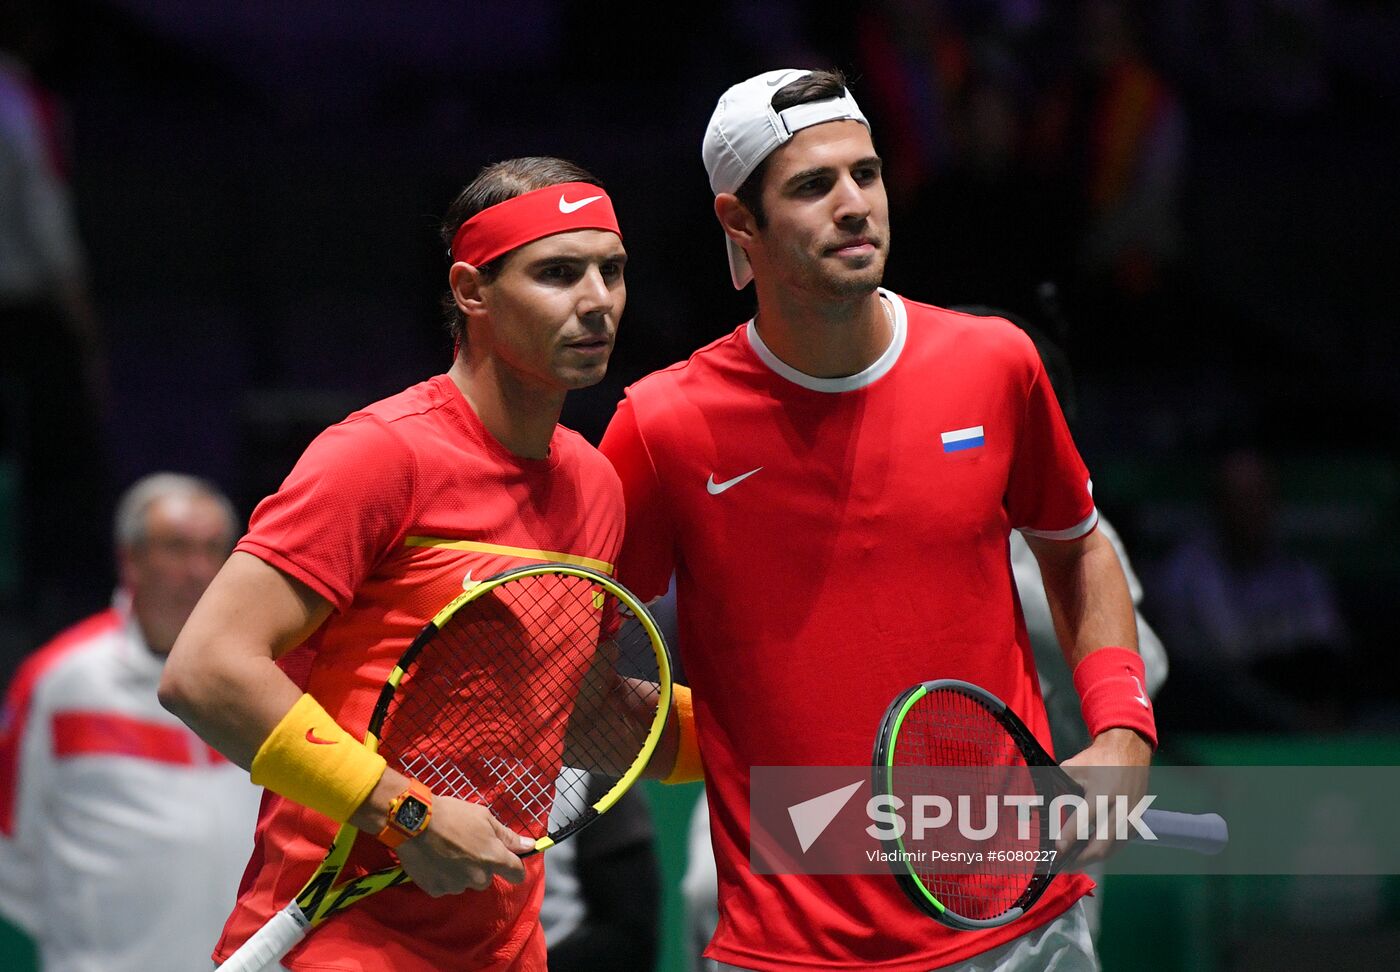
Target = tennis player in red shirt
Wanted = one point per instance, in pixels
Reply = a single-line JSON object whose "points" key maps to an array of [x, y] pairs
{"points": [[386, 515], [833, 485]]}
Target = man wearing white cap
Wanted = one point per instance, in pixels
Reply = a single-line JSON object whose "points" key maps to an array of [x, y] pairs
{"points": [[833, 485]]}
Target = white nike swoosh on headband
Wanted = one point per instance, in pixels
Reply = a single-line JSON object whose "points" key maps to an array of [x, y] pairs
{"points": [[569, 207]]}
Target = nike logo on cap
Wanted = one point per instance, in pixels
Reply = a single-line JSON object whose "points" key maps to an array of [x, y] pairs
{"points": [[572, 207], [715, 488], [311, 737]]}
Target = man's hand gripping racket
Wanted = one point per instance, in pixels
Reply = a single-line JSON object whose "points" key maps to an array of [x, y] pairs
{"points": [[536, 670], [948, 732]]}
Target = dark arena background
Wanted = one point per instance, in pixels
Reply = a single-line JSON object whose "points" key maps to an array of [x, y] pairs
{"points": [[1196, 201]]}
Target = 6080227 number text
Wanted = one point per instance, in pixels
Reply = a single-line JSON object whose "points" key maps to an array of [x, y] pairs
{"points": [[1034, 856]]}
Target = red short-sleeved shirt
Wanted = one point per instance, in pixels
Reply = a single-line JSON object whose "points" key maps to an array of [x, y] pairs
{"points": [[834, 542], [388, 515]]}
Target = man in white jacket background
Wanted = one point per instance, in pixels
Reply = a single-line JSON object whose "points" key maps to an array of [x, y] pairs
{"points": [[122, 834]]}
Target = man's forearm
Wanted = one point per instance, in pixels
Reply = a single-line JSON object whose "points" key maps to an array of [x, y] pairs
{"points": [[221, 678], [1088, 595]]}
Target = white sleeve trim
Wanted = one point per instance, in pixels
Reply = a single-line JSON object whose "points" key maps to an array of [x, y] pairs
{"points": [[1082, 528]]}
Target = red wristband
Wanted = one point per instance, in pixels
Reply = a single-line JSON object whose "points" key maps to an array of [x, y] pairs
{"points": [[1112, 694]]}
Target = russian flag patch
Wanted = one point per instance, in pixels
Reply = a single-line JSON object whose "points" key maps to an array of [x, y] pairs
{"points": [[960, 439]]}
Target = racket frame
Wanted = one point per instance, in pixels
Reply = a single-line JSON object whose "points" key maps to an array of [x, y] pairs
{"points": [[882, 781], [1205, 833]]}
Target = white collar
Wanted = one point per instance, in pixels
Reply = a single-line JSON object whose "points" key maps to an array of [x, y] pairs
{"points": [[136, 654], [861, 379]]}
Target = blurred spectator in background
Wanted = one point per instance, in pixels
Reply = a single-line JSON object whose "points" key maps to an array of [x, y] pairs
{"points": [[1111, 131], [122, 835], [1000, 111], [971, 234], [914, 60], [1257, 639], [602, 893], [51, 361]]}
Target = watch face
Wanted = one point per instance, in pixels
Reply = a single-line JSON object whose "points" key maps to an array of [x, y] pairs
{"points": [[411, 814]]}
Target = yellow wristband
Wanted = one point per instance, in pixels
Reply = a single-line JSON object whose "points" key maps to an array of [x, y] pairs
{"points": [[687, 768], [312, 760]]}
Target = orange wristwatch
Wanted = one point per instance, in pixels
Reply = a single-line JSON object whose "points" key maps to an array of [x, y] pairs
{"points": [[409, 813]]}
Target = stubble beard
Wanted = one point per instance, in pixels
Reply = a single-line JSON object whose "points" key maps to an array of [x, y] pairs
{"points": [[575, 378], [861, 282]]}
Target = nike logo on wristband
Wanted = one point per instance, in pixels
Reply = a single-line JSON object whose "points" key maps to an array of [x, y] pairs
{"points": [[572, 207], [311, 737], [1142, 694]]}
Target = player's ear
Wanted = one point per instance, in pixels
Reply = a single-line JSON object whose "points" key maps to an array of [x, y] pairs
{"points": [[738, 223], [467, 289]]}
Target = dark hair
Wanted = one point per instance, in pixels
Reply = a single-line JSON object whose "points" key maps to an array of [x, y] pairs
{"points": [[493, 185], [817, 86]]}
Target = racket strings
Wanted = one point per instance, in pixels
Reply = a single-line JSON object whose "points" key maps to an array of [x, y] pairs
{"points": [[520, 702], [951, 744]]}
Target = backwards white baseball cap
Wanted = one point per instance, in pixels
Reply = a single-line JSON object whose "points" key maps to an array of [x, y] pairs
{"points": [[744, 130]]}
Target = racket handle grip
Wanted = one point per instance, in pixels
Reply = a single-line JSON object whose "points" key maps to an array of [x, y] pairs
{"points": [[1203, 833], [270, 942]]}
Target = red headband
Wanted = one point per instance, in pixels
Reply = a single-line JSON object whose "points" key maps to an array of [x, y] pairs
{"points": [[534, 215]]}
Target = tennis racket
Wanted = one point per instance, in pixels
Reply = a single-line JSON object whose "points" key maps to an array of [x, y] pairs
{"points": [[948, 728], [513, 696]]}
